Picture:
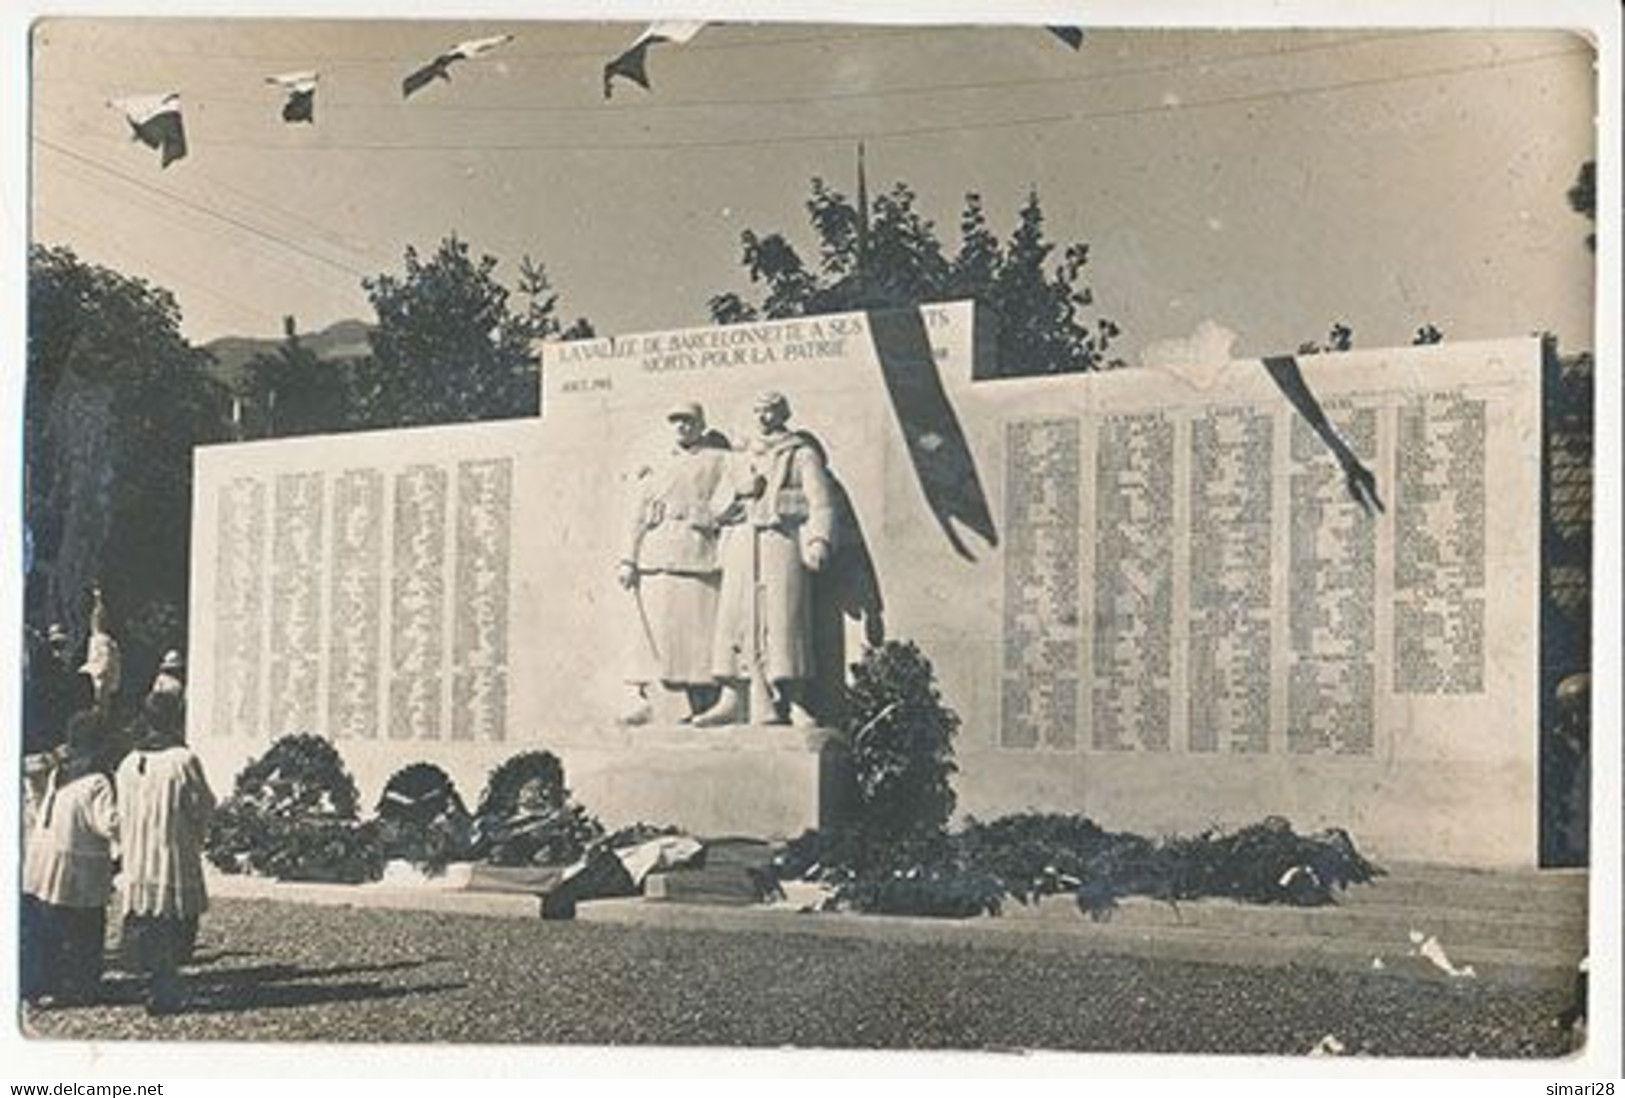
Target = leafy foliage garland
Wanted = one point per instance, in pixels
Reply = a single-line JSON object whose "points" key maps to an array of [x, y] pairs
{"points": [[422, 819], [526, 816], [1027, 856], [292, 816]]}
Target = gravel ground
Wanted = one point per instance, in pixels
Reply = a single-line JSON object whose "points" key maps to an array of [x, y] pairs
{"points": [[274, 971]]}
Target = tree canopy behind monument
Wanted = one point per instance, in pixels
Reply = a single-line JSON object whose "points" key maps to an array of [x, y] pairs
{"points": [[295, 392], [116, 400], [448, 346], [892, 257]]}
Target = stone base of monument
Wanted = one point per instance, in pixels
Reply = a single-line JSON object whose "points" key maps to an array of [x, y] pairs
{"points": [[728, 871], [760, 781]]}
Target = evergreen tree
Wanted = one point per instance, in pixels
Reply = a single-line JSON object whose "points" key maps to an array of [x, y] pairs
{"points": [[894, 258]]}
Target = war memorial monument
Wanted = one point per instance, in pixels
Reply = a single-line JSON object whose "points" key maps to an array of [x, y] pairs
{"points": [[1147, 592]]}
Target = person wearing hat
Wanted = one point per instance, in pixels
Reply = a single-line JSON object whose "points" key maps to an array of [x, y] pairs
{"points": [[164, 804], [171, 676], [777, 531], [670, 561], [68, 873]]}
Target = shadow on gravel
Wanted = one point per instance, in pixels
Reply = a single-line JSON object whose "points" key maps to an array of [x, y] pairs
{"points": [[269, 986], [231, 997], [274, 973]]}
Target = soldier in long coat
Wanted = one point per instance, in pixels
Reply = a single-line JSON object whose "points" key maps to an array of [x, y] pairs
{"points": [[671, 555], [777, 531]]}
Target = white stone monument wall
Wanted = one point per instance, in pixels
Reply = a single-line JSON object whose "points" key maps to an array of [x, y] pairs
{"points": [[1147, 594]]}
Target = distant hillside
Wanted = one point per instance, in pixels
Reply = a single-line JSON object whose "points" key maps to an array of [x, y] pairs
{"points": [[345, 340]]}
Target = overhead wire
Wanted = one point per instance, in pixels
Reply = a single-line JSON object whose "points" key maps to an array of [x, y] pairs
{"points": [[199, 207], [1069, 117], [329, 236], [1066, 117], [170, 275], [664, 104]]}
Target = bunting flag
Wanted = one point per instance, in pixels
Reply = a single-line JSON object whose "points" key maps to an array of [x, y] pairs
{"points": [[1072, 36], [1360, 481], [440, 67], [631, 65], [301, 89], [937, 447], [155, 121]]}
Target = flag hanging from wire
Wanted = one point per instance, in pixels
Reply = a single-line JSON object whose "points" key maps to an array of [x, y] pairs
{"points": [[301, 89], [440, 67], [155, 121], [1072, 36], [632, 64]]}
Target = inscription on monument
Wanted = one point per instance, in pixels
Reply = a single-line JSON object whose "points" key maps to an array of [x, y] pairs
{"points": [[1230, 557], [238, 607], [1042, 631], [1133, 583], [480, 594], [296, 602], [1439, 546], [356, 610], [417, 604], [1331, 596]]}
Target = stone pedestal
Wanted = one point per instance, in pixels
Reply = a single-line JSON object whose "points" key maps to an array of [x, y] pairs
{"points": [[762, 781]]}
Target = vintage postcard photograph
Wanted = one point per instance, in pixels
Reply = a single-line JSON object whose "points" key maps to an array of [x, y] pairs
{"points": [[845, 533]]}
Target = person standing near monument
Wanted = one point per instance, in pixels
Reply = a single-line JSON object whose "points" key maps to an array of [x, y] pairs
{"points": [[103, 660], [670, 565], [777, 522], [171, 676], [68, 874], [164, 803]]}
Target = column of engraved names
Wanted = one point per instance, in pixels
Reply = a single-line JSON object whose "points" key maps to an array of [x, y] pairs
{"points": [[1331, 595], [296, 602], [480, 594], [1133, 583], [417, 635], [239, 607], [1229, 646], [1439, 546], [1041, 641], [355, 647]]}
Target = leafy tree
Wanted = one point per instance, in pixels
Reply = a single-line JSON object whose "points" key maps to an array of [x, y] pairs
{"points": [[448, 347], [116, 400], [1425, 335], [1583, 197], [894, 258], [296, 392], [902, 751]]}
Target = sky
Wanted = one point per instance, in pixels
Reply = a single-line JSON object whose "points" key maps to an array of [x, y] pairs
{"points": [[1269, 182]]}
